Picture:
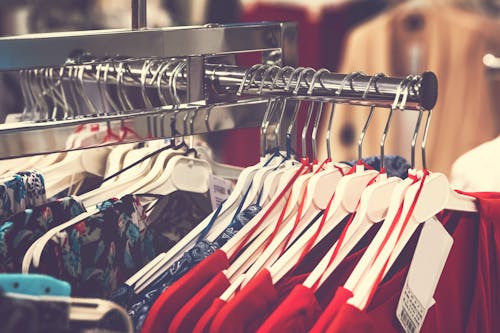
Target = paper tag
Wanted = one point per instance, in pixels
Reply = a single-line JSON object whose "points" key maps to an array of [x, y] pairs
{"points": [[433, 247], [13, 118], [220, 189]]}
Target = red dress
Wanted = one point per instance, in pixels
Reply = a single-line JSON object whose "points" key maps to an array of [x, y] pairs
{"points": [[467, 295]]}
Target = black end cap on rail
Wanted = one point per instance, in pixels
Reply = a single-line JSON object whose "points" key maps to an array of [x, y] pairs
{"points": [[428, 90]]}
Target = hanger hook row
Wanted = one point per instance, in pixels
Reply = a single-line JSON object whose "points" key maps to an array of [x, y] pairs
{"points": [[316, 77], [248, 72]]}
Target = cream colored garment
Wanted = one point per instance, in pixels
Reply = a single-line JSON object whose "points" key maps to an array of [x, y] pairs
{"points": [[451, 43], [478, 169]]}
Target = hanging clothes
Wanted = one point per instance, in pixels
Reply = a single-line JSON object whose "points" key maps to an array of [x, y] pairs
{"points": [[408, 39], [477, 169], [23, 190]]}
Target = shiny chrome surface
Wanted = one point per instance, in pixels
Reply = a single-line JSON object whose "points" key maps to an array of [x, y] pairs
{"points": [[54, 49], [28, 138]]}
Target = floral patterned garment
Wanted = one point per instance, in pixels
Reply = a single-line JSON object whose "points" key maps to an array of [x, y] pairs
{"points": [[98, 253], [35, 188], [138, 305], [175, 215], [13, 197], [24, 228], [24, 190]]}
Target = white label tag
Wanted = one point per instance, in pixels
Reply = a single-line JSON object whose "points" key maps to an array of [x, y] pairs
{"points": [[433, 247], [13, 118], [220, 189]]}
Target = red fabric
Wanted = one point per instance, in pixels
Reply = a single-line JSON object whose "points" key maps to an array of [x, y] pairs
{"points": [[340, 298], [174, 297], [239, 313], [185, 319], [296, 314], [323, 296], [283, 288], [303, 315], [467, 295], [203, 325]]}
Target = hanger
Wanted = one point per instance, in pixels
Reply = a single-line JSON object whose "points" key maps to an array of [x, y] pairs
{"points": [[149, 173], [268, 174], [435, 196], [323, 186], [270, 224], [268, 253], [433, 200], [373, 206], [141, 279], [72, 167], [395, 200], [182, 172], [34, 253]]}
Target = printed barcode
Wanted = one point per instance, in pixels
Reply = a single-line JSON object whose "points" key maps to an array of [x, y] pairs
{"points": [[219, 189], [407, 321]]}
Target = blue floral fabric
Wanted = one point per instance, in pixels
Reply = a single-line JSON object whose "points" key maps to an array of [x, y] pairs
{"points": [[138, 305], [102, 251], [23, 190], [13, 196], [35, 187], [395, 165], [24, 228]]}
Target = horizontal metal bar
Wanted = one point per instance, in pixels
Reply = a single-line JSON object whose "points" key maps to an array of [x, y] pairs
{"points": [[226, 79], [54, 49], [28, 138]]}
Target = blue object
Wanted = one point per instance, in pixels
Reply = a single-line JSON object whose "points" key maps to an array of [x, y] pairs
{"points": [[34, 285]]}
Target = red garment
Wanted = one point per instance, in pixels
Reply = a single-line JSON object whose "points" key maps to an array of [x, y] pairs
{"points": [[340, 298], [301, 315], [174, 297], [467, 295], [237, 315], [300, 309], [258, 299], [296, 314], [203, 325], [186, 318]]}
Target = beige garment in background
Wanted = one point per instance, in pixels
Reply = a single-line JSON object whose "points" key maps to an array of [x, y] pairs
{"points": [[451, 43]]}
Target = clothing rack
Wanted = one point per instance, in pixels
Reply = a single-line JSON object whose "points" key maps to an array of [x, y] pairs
{"points": [[210, 80]]}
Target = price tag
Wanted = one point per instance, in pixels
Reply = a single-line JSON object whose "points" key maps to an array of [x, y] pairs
{"points": [[433, 247], [220, 189]]}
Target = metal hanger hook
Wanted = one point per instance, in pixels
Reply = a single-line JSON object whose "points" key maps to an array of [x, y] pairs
{"points": [[373, 81], [248, 72], [394, 105]]}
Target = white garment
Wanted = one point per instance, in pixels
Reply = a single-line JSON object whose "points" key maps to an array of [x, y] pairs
{"points": [[478, 169]]}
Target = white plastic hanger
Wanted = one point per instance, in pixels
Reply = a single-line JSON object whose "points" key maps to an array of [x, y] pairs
{"points": [[362, 285], [435, 196], [255, 255], [395, 200], [299, 192], [34, 253], [373, 206], [237, 240], [286, 181], [321, 189], [137, 172], [115, 160], [148, 273]]}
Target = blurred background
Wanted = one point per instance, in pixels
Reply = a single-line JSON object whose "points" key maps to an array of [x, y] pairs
{"points": [[449, 37]]}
